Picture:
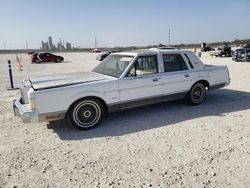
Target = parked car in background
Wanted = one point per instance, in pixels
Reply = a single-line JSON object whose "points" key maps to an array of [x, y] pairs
{"points": [[31, 52], [96, 50], [123, 80], [103, 55], [246, 46], [41, 57], [242, 54], [33, 57], [223, 51], [207, 49]]}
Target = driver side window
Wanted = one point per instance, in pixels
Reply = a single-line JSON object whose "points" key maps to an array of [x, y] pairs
{"points": [[147, 64]]}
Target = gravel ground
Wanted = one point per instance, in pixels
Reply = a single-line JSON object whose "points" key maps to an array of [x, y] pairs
{"points": [[163, 145]]}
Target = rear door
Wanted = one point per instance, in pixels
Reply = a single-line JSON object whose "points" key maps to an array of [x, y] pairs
{"points": [[44, 57], [41, 57], [176, 78]]}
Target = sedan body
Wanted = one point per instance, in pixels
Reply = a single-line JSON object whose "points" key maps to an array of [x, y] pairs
{"points": [[45, 57], [123, 80]]}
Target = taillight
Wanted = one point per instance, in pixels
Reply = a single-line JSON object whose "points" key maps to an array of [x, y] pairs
{"points": [[33, 57]]}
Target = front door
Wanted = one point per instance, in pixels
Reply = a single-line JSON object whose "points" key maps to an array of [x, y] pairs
{"points": [[50, 57], [45, 57], [137, 90]]}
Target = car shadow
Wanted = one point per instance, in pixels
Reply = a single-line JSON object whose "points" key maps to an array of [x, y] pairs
{"points": [[217, 103], [52, 62]]}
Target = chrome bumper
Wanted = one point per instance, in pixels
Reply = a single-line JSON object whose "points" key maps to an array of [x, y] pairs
{"points": [[31, 116], [23, 111]]}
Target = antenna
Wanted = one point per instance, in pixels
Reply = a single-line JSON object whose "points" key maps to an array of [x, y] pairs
{"points": [[26, 43]]}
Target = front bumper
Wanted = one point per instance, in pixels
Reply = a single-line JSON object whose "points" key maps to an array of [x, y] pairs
{"points": [[31, 116], [24, 112]]}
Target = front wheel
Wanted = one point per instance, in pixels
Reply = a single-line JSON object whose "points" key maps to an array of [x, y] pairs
{"points": [[197, 94], [86, 113], [58, 60]]}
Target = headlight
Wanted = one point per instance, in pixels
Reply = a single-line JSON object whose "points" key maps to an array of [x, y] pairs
{"points": [[32, 99], [242, 55]]}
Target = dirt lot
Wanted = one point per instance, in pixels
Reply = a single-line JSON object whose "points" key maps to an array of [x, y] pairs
{"points": [[164, 145]]}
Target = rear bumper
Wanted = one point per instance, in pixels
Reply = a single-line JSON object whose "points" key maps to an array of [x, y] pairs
{"points": [[22, 110], [218, 86]]}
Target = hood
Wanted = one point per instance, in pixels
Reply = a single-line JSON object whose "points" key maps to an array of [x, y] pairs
{"points": [[60, 80]]}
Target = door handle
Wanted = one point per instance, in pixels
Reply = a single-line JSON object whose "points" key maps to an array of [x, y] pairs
{"points": [[155, 79], [186, 75]]}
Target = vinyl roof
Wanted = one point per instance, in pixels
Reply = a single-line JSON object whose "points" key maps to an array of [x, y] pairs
{"points": [[150, 51]]}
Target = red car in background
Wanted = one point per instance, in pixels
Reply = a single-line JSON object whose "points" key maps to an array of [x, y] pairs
{"points": [[39, 57]]}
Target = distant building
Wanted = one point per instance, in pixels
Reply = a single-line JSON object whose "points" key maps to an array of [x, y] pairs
{"points": [[50, 43], [68, 46], [46, 46], [59, 46], [42, 45]]}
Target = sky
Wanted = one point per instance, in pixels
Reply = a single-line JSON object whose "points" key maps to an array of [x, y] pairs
{"points": [[122, 22]]}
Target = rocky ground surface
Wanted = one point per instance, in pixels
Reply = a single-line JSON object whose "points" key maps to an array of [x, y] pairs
{"points": [[163, 145]]}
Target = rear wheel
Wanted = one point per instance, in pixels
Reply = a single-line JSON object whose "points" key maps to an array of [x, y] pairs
{"points": [[86, 113], [197, 94]]}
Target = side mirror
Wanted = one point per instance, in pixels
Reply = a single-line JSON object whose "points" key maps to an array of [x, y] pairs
{"points": [[139, 73]]}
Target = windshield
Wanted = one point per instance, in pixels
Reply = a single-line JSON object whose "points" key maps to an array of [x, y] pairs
{"points": [[114, 65]]}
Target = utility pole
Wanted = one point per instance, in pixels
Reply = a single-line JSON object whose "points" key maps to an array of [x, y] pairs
{"points": [[169, 37], [4, 46], [27, 47], [95, 42]]}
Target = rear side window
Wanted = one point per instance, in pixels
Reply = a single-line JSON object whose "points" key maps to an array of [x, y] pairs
{"points": [[173, 62], [189, 62], [42, 55], [49, 55]]}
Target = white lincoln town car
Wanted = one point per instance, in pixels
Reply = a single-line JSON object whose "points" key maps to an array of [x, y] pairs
{"points": [[123, 80]]}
